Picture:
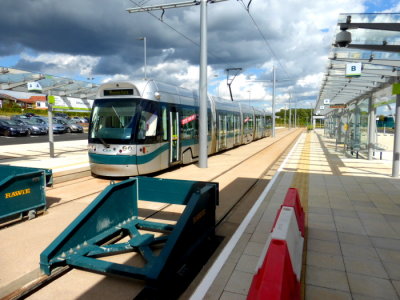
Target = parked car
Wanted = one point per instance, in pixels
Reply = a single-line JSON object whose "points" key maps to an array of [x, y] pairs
{"points": [[80, 120], [39, 119], [57, 128], [62, 115], [19, 117], [33, 127], [29, 115], [70, 126], [11, 128]]}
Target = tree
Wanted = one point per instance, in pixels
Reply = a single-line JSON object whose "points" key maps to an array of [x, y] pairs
{"points": [[303, 117]]}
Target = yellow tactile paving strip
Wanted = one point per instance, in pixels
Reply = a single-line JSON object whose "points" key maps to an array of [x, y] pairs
{"points": [[301, 183]]}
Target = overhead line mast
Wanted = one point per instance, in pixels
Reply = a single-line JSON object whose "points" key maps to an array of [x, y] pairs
{"points": [[230, 80], [203, 67]]}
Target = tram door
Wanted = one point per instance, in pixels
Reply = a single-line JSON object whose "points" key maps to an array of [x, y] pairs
{"points": [[222, 131], [174, 148], [236, 130]]}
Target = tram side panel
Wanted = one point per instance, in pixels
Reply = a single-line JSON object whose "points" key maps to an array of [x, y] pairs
{"points": [[158, 127]]}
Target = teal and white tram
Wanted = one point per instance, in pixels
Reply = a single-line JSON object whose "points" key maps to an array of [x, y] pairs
{"points": [[146, 126]]}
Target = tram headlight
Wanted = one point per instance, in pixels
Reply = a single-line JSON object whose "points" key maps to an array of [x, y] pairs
{"points": [[157, 95], [127, 148]]}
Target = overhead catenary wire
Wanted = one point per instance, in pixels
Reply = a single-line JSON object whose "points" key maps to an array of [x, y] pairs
{"points": [[171, 27], [282, 67], [247, 9]]}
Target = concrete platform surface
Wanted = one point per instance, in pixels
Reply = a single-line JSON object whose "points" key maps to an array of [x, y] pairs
{"points": [[67, 155], [352, 246]]}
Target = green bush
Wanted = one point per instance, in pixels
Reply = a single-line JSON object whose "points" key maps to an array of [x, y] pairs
{"points": [[16, 110]]}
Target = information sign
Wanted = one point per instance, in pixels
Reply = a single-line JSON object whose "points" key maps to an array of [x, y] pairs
{"points": [[353, 69], [338, 106]]}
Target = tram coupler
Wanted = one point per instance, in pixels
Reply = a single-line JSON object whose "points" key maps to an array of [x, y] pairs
{"points": [[111, 224]]}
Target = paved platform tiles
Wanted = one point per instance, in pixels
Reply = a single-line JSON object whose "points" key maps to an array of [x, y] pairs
{"points": [[353, 227]]}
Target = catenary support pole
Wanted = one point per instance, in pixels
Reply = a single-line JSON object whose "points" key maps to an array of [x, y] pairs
{"points": [[290, 112], [203, 124], [371, 127], [273, 101], [396, 146], [50, 117]]}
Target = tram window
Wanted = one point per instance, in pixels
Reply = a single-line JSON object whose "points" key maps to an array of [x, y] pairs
{"points": [[112, 120], [164, 123], [189, 123], [147, 127]]}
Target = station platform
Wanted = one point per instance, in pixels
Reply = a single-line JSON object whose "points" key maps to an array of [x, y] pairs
{"points": [[352, 241], [70, 158]]}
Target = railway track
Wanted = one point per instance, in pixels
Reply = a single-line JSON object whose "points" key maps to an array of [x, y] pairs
{"points": [[240, 183]]}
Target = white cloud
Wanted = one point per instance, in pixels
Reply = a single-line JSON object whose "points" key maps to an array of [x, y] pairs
{"points": [[394, 9], [298, 32], [116, 77], [65, 64], [312, 80]]}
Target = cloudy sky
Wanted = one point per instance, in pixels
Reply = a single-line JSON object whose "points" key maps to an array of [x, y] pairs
{"points": [[98, 38]]}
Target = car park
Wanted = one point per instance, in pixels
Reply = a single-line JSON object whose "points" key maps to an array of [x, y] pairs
{"points": [[11, 128]]}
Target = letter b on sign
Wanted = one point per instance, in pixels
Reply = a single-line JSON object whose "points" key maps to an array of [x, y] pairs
{"points": [[353, 70]]}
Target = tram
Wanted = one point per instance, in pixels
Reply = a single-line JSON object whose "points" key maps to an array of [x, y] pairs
{"points": [[146, 126]]}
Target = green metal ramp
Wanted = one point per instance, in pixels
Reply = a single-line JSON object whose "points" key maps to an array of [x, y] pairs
{"points": [[98, 231]]}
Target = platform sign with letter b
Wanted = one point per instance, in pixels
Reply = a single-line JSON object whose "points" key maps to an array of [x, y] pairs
{"points": [[353, 70]]}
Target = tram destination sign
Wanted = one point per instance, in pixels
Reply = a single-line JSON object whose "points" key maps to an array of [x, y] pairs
{"points": [[338, 106], [118, 92]]}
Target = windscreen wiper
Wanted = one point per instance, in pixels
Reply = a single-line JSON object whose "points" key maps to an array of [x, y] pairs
{"points": [[104, 142], [119, 118]]}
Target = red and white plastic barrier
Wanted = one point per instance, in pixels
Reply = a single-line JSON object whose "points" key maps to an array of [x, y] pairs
{"points": [[279, 270]]}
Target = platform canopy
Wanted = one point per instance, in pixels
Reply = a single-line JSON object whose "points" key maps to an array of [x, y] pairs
{"points": [[24, 81], [366, 66]]}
